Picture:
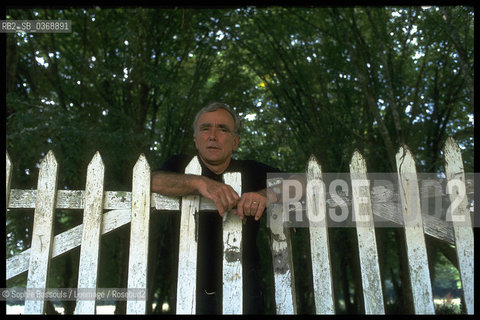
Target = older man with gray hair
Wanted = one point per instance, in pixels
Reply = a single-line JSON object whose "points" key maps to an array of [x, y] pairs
{"points": [[217, 136]]}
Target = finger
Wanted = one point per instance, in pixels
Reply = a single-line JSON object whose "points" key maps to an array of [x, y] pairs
{"points": [[230, 195], [231, 199], [220, 208], [259, 212], [240, 205], [224, 200], [254, 207], [249, 206]]}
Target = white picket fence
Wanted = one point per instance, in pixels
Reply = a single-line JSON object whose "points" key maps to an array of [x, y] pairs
{"points": [[105, 211]]}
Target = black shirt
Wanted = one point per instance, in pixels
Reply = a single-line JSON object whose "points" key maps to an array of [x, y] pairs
{"points": [[210, 238]]}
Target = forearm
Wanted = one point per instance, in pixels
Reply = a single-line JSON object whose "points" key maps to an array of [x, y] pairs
{"points": [[175, 184], [179, 185]]}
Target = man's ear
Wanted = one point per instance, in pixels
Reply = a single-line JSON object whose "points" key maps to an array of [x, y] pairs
{"points": [[195, 141], [236, 142]]}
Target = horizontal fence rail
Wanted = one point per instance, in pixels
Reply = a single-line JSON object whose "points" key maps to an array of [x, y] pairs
{"points": [[106, 211]]}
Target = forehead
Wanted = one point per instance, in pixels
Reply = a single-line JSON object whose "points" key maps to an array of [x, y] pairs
{"points": [[219, 116]]}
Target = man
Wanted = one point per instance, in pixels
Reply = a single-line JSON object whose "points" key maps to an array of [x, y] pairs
{"points": [[217, 136]]}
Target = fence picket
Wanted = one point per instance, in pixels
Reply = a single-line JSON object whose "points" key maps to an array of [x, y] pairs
{"points": [[367, 244], [92, 227], [187, 252], [42, 234], [232, 254], [414, 234], [319, 244], [462, 224], [8, 178], [280, 243], [139, 235]]}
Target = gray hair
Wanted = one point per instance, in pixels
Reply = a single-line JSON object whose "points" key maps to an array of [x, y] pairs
{"points": [[214, 106]]}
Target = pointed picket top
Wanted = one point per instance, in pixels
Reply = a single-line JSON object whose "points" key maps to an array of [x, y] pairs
{"points": [[49, 157], [141, 164], [47, 174], [193, 166], [314, 169], [316, 206], [358, 163], [96, 168], [405, 161], [362, 204], [453, 157], [97, 160], [48, 170]]}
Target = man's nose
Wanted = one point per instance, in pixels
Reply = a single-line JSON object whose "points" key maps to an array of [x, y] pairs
{"points": [[212, 134]]}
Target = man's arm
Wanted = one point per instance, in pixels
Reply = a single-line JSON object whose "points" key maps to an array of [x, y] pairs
{"points": [[178, 184], [174, 184]]}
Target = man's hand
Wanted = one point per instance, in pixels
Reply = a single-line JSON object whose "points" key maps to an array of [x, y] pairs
{"points": [[252, 204], [223, 195]]}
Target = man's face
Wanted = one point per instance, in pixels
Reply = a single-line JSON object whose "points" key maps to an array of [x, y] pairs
{"points": [[215, 139]]}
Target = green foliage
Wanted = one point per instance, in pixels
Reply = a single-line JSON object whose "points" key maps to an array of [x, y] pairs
{"points": [[320, 81]]}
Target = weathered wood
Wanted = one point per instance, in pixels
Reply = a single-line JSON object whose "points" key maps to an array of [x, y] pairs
{"points": [[187, 252], [367, 244], [68, 240], [380, 202], [92, 228], [232, 253], [283, 273], [139, 236], [383, 206], [42, 233], [74, 199], [319, 243], [112, 200], [460, 215], [8, 178], [414, 234]]}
